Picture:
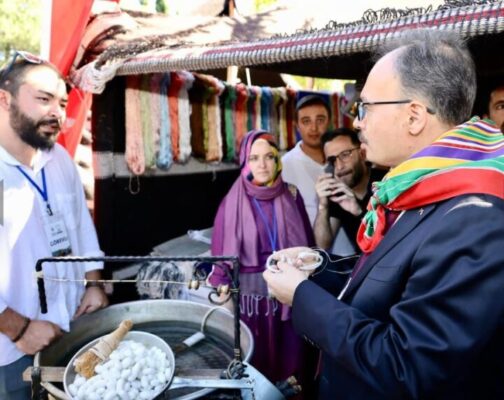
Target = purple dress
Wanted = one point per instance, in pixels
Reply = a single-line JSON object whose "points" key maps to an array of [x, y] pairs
{"points": [[252, 222]]}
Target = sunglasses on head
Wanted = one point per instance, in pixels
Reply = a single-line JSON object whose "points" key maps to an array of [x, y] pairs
{"points": [[20, 56]]}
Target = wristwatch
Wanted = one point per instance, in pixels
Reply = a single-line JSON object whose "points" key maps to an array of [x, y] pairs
{"points": [[94, 284]]}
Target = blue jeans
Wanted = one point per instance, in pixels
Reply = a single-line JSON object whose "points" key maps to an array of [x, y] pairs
{"points": [[12, 386]]}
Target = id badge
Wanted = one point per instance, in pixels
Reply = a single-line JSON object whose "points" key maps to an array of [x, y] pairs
{"points": [[59, 242]]}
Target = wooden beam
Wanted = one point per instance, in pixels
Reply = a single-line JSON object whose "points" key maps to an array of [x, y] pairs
{"points": [[49, 374]]}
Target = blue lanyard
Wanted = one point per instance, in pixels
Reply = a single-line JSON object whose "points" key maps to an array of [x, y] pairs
{"points": [[271, 235], [42, 191]]}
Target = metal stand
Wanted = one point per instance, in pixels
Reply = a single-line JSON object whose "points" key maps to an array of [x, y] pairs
{"points": [[236, 369], [36, 386]]}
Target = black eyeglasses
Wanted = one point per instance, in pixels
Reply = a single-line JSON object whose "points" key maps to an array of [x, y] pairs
{"points": [[25, 57], [344, 156], [361, 106]]}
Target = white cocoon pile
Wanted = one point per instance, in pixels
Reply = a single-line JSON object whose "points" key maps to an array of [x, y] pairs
{"points": [[132, 372]]}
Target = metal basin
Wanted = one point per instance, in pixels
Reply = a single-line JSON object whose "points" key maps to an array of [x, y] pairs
{"points": [[172, 320]]}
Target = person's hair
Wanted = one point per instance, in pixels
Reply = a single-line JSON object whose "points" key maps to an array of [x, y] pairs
{"points": [[485, 89], [437, 67], [332, 134], [311, 100], [12, 79]]}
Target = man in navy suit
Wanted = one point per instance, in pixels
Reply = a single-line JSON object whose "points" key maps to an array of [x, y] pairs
{"points": [[422, 314]]}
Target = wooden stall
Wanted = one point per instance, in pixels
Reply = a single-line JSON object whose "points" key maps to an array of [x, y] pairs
{"points": [[136, 211]]}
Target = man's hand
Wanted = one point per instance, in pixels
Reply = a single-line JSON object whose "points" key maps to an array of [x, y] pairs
{"points": [[292, 254], [333, 189], [345, 197], [324, 187], [38, 335], [94, 298], [283, 284]]}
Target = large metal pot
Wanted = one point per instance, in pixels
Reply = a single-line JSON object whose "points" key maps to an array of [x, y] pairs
{"points": [[173, 320]]}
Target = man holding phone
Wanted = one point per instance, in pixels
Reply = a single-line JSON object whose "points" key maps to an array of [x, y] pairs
{"points": [[343, 192]]}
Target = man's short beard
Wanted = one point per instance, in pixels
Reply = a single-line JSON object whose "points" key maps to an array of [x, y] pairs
{"points": [[28, 129], [358, 174]]}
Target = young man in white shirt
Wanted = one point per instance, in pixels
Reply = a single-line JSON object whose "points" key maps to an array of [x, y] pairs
{"points": [[302, 165], [45, 215]]}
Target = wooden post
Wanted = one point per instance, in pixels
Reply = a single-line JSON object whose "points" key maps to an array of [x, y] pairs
{"points": [[232, 70]]}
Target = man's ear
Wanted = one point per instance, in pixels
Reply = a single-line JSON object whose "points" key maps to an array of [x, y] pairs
{"points": [[362, 153], [417, 118], [5, 99]]}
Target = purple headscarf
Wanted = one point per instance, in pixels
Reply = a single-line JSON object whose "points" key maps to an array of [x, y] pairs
{"points": [[240, 234], [245, 150]]}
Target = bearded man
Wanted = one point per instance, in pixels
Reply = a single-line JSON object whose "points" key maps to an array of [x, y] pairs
{"points": [[45, 215], [343, 193]]}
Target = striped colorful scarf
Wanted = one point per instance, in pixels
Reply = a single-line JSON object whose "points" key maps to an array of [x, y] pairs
{"points": [[467, 159]]}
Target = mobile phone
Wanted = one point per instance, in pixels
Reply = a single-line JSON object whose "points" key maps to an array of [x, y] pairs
{"points": [[329, 168]]}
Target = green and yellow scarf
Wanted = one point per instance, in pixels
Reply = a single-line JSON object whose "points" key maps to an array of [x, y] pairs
{"points": [[467, 159]]}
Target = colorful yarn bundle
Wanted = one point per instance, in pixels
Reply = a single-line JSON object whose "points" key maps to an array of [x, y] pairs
{"points": [[173, 116]]}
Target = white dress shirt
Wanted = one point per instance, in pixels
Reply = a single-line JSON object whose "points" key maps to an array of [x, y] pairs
{"points": [[23, 240]]}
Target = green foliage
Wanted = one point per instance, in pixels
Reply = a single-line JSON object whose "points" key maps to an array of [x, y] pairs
{"points": [[332, 85], [20, 26], [161, 6], [261, 5]]}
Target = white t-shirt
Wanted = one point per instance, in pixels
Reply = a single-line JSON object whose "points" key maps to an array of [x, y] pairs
{"points": [[23, 240], [342, 246], [301, 171]]}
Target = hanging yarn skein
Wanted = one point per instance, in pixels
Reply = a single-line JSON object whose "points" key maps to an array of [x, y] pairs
{"points": [[134, 143], [155, 113], [184, 116], [165, 158], [146, 118]]}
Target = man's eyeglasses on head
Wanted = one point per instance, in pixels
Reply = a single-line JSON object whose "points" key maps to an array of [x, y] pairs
{"points": [[361, 106], [344, 156], [25, 57]]}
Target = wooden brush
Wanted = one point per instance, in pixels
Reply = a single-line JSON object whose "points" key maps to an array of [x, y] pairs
{"points": [[85, 364]]}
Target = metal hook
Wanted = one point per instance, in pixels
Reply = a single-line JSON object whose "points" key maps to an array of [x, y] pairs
{"points": [[130, 184]]}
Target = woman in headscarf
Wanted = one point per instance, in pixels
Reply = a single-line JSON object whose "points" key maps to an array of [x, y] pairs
{"points": [[262, 214]]}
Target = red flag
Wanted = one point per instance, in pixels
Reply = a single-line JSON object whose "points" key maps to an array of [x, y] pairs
{"points": [[79, 104], [68, 22]]}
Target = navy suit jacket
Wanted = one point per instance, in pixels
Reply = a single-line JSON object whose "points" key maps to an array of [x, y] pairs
{"points": [[424, 317]]}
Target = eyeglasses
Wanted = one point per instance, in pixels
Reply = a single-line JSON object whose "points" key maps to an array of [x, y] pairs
{"points": [[344, 156], [25, 56], [361, 106]]}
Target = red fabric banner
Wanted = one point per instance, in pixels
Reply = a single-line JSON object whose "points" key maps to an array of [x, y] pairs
{"points": [[68, 22]]}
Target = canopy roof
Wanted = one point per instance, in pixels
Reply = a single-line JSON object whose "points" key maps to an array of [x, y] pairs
{"points": [[340, 52]]}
